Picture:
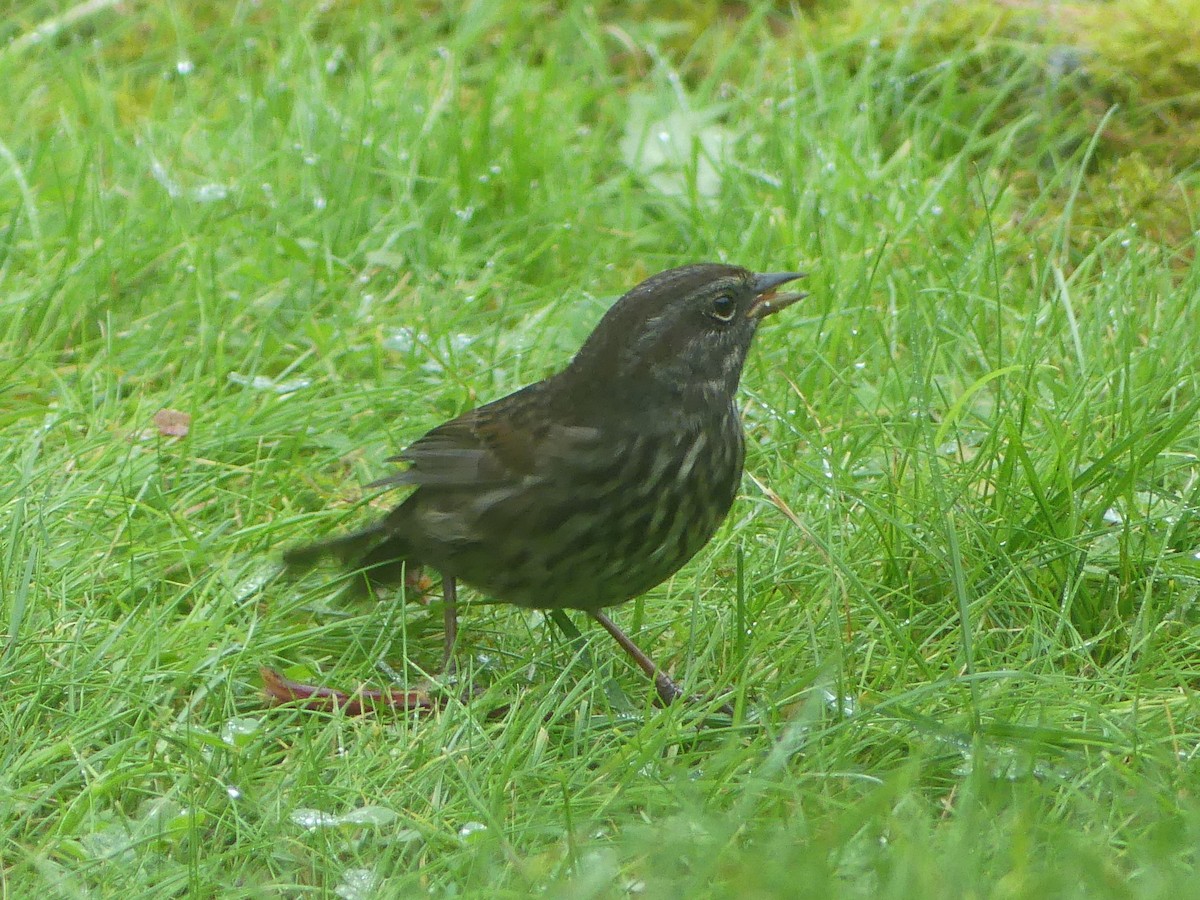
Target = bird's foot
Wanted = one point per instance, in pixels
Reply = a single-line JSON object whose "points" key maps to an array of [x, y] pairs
{"points": [[669, 692]]}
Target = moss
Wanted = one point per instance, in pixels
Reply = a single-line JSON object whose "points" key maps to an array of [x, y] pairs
{"points": [[1144, 54], [1132, 190], [1125, 73]]}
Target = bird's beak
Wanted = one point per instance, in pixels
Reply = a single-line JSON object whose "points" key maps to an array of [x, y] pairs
{"points": [[766, 300]]}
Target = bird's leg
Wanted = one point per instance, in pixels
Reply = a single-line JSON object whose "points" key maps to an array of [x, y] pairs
{"points": [[668, 690], [612, 690], [450, 612], [449, 664]]}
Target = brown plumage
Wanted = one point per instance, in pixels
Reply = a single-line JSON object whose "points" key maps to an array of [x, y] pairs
{"points": [[594, 485]]}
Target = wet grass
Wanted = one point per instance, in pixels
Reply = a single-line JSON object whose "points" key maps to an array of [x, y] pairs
{"points": [[955, 605]]}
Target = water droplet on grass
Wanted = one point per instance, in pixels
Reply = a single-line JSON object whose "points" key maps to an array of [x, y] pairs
{"points": [[470, 829], [236, 732], [357, 884], [210, 193]]}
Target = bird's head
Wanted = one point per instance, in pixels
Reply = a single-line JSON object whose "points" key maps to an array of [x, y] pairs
{"points": [[684, 331]]}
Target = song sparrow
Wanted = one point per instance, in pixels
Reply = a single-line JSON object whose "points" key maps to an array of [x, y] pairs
{"points": [[594, 485]]}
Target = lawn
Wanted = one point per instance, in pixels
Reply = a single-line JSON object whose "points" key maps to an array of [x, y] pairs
{"points": [[248, 251]]}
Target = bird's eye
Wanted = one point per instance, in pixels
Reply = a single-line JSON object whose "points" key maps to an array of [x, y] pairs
{"points": [[723, 308]]}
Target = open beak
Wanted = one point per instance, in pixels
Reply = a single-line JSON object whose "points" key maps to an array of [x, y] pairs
{"points": [[767, 300]]}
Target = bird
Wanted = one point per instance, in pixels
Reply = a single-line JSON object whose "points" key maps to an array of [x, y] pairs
{"points": [[592, 486]]}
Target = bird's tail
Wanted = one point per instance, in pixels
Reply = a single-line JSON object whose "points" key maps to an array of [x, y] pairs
{"points": [[344, 548], [377, 550]]}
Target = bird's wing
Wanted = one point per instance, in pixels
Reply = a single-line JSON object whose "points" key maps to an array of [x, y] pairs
{"points": [[504, 441]]}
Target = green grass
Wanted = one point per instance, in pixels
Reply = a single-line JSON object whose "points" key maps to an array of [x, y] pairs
{"points": [[956, 604]]}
